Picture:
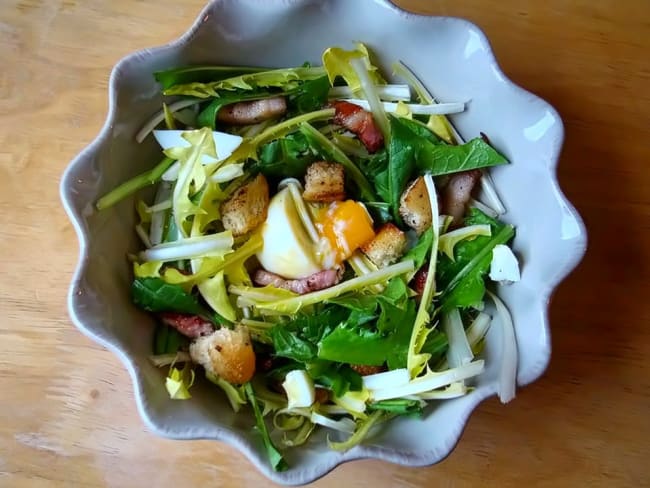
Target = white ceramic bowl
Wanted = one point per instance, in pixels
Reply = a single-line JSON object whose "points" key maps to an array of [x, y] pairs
{"points": [[455, 61]]}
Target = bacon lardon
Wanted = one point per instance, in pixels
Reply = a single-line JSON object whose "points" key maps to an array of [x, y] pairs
{"points": [[360, 122], [315, 282]]}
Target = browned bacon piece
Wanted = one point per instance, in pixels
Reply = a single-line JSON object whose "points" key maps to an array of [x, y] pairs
{"points": [[365, 370], [420, 279], [246, 113], [360, 122], [317, 281], [191, 326], [457, 193]]}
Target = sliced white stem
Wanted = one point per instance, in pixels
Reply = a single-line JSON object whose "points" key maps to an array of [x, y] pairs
{"points": [[153, 122], [487, 185], [305, 216], [387, 379], [246, 312], [189, 248], [415, 360], [454, 390], [343, 425], [459, 352], [362, 266], [162, 203], [256, 324], [483, 207], [228, 173], [172, 172], [161, 360], [350, 146], [157, 207], [421, 91], [142, 234], [430, 381], [374, 104], [257, 129], [423, 94], [478, 329], [508, 368], [332, 409], [385, 92], [416, 108]]}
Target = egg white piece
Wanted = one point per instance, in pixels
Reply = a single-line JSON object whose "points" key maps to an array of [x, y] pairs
{"points": [[504, 267], [299, 388], [225, 143], [288, 250]]}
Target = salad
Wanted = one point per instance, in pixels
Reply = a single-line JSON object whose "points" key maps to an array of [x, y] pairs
{"points": [[314, 247]]}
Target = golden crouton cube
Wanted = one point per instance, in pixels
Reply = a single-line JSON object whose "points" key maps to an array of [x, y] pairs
{"points": [[387, 246], [247, 207], [324, 182], [415, 207]]}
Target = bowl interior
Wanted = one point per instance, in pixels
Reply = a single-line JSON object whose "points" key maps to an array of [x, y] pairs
{"points": [[454, 60]]}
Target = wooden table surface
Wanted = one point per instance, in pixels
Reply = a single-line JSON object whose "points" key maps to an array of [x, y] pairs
{"points": [[67, 414]]}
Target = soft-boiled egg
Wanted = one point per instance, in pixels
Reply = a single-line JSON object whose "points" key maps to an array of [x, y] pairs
{"points": [[344, 226], [287, 251]]}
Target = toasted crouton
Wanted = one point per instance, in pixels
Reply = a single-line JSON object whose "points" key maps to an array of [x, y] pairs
{"points": [[226, 353], [386, 247], [415, 207], [247, 207], [324, 182]]}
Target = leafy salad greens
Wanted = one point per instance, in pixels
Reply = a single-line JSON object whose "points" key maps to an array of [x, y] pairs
{"points": [[314, 248]]}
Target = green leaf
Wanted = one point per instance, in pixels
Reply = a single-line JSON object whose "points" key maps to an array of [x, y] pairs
{"points": [[167, 340], [202, 74], [421, 130], [356, 342], [442, 159], [160, 339], [154, 295], [353, 344], [299, 338], [310, 95], [275, 458], [414, 149], [136, 183], [287, 157], [340, 378], [362, 346], [421, 250], [463, 279], [355, 301], [290, 345], [286, 78], [399, 406], [401, 162]]}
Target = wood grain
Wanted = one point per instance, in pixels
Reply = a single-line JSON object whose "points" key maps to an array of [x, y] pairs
{"points": [[67, 415]]}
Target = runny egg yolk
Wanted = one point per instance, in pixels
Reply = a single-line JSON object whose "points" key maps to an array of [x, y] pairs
{"points": [[345, 226]]}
